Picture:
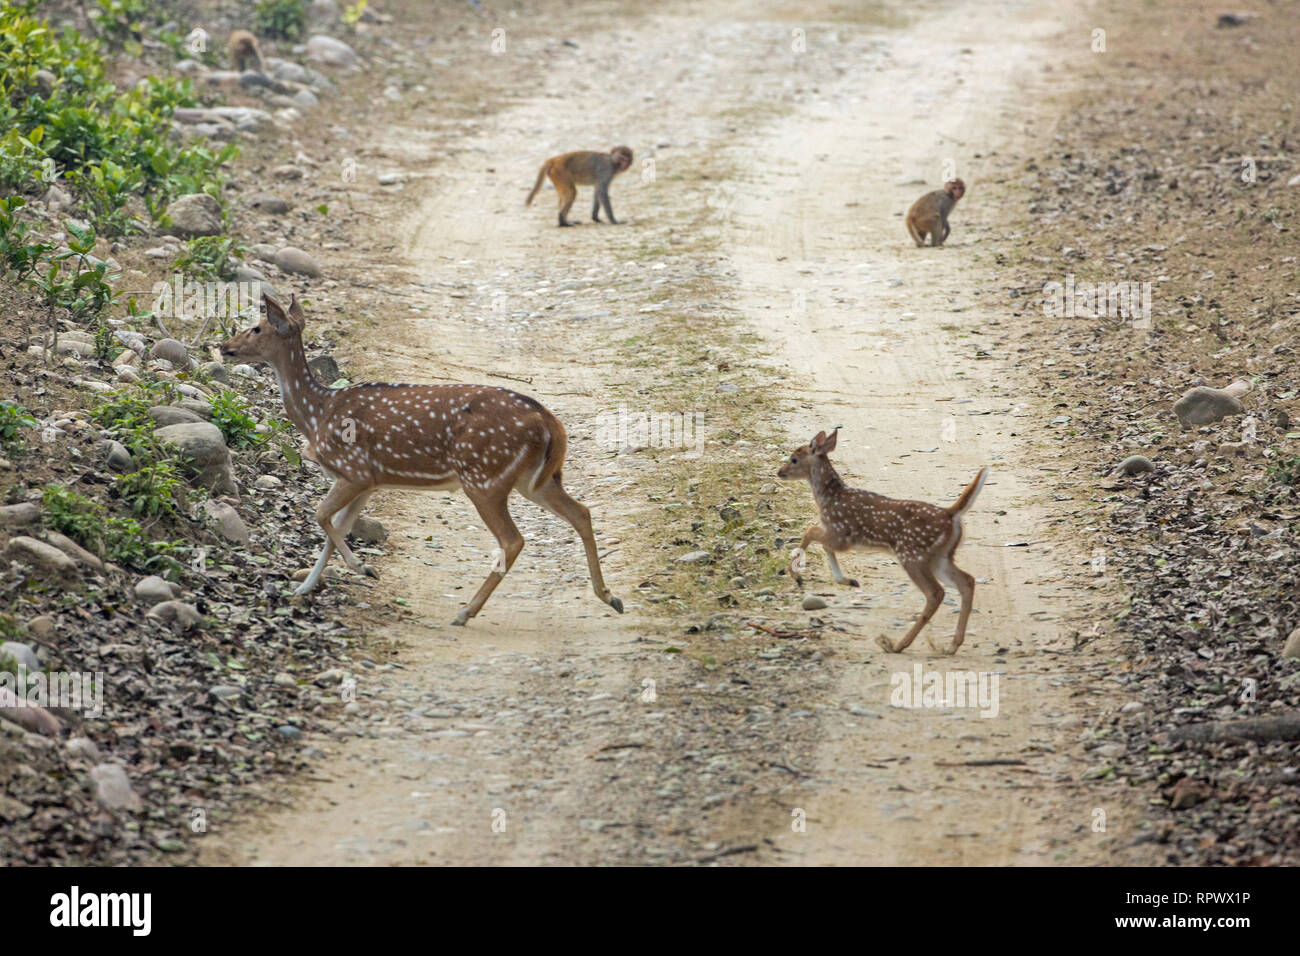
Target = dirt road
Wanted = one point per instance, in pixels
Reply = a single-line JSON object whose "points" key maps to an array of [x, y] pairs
{"points": [[775, 157]]}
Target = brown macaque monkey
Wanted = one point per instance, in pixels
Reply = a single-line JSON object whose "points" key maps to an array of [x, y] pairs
{"points": [[929, 214], [584, 169], [243, 50]]}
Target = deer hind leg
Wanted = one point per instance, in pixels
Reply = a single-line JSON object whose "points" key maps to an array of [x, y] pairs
{"points": [[923, 577], [495, 512], [556, 500], [965, 585], [336, 515]]}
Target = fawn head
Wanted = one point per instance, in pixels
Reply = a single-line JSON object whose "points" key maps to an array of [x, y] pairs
{"points": [[270, 339], [801, 459]]}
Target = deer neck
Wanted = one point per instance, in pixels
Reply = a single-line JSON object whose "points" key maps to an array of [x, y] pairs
{"points": [[826, 482], [305, 399]]}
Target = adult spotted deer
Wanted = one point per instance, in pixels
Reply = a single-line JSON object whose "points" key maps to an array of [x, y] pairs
{"points": [[922, 536], [488, 441]]}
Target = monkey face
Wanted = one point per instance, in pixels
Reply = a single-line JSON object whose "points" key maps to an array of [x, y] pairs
{"points": [[955, 188], [622, 157]]}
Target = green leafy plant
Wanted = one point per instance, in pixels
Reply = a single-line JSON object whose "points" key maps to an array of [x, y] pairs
{"points": [[230, 414], [209, 257], [13, 418], [1286, 471], [281, 19], [153, 490]]}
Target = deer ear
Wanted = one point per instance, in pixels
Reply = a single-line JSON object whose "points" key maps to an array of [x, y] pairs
{"points": [[275, 314], [828, 445], [295, 312], [816, 442]]}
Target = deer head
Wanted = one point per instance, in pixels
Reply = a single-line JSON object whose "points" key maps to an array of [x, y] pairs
{"points": [[801, 460], [273, 338]]}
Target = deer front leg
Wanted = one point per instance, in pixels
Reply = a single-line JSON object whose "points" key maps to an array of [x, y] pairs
{"points": [[344, 519], [495, 513]]}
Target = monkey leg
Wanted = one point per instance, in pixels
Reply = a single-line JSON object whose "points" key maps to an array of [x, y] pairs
{"points": [[567, 194], [917, 235], [609, 210]]}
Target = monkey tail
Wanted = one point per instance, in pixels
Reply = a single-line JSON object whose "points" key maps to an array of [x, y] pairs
{"points": [[541, 174], [968, 496]]}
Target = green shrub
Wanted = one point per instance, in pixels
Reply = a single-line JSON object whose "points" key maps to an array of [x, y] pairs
{"points": [[153, 490], [282, 19], [13, 418], [230, 414]]}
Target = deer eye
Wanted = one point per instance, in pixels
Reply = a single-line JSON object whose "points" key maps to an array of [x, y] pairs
{"points": [[794, 460], [257, 330]]}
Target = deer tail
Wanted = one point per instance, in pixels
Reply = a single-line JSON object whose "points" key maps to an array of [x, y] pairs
{"points": [[968, 496], [557, 446], [541, 174]]}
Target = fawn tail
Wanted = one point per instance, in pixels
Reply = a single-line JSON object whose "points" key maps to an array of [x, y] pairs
{"points": [[541, 174], [968, 496]]}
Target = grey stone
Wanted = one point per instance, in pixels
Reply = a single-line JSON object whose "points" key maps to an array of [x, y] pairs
{"points": [[331, 52], [227, 521], [22, 654], [1292, 646], [215, 371], [368, 531], [1133, 465], [695, 557], [118, 458], [269, 203], [73, 550], [204, 449], [226, 691], [1202, 405], [294, 260], [166, 415], [813, 603], [22, 515], [325, 369], [82, 747], [154, 590], [196, 214], [172, 351], [179, 616], [113, 787], [46, 558]]}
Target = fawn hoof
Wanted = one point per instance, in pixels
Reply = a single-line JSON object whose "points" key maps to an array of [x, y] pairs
{"points": [[886, 644], [853, 583], [369, 572], [616, 604], [462, 618]]}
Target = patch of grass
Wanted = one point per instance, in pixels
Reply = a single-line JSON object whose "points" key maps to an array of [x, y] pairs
{"points": [[13, 419], [153, 490], [230, 414]]}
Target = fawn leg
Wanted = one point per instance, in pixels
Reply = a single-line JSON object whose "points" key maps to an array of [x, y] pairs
{"points": [[818, 533], [495, 512], [556, 500], [923, 578], [965, 584]]}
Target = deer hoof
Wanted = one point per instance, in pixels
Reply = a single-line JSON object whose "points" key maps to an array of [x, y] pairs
{"points": [[369, 572], [853, 583], [616, 604], [461, 619], [886, 644]]}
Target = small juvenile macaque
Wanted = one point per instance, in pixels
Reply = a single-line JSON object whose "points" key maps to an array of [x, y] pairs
{"points": [[243, 50], [929, 214], [583, 169]]}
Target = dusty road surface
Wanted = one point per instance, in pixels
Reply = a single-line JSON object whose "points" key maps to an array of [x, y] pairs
{"points": [[776, 152]]}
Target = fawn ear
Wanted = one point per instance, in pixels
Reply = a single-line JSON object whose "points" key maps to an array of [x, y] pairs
{"points": [[275, 313], [815, 444], [295, 312], [828, 445]]}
